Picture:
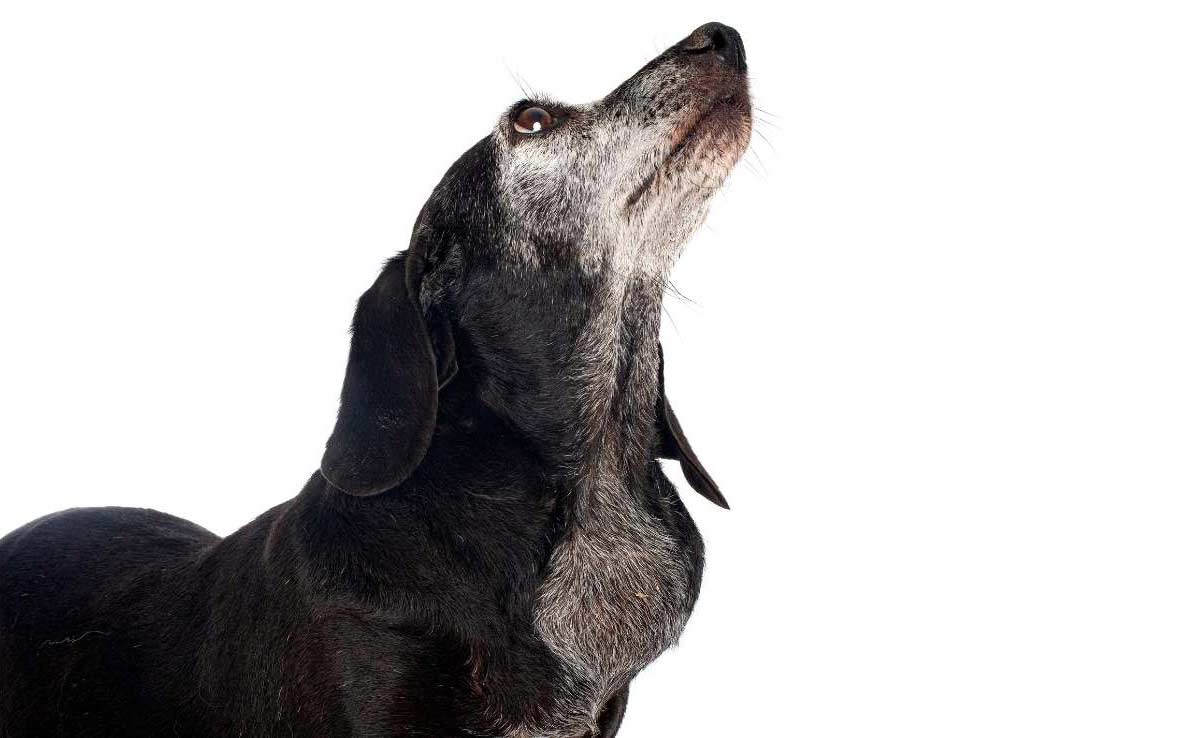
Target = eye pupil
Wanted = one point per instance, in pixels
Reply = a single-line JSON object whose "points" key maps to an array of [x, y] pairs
{"points": [[533, 120]]}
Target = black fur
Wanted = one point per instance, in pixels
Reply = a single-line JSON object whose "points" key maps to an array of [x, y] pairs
{"points": [[394, 595]]}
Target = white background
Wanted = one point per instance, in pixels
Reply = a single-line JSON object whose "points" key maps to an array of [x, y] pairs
{"points": [[941, 351]]}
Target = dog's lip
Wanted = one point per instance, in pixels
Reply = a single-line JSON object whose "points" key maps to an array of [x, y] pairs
{"points": [[683, 134], [685, 129]]}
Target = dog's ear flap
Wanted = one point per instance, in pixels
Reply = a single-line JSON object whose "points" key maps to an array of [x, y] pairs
{"points": [[390, 393], [674, 445]]}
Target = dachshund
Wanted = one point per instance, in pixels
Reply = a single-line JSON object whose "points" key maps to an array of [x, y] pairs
{"points": [[490, 546]]}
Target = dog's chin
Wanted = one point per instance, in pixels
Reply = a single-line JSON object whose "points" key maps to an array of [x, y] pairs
{"points": [[703, 148], [716, 139]]}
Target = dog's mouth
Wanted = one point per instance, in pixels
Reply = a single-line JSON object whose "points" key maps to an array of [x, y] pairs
{"points": [[687, 128], [720, 128]]}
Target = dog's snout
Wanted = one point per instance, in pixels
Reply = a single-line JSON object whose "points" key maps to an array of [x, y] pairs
{"points": [[721, 40]]}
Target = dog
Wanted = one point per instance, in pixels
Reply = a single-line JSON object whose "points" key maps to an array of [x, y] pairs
{"points": [[490, 547]]}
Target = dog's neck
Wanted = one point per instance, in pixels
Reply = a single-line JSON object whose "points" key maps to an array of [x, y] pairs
{"points": [[570, 362], [613, 374]]}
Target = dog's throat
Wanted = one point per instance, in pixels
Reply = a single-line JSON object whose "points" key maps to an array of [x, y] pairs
{"points": [[616, 590], [614, 375], [615, 595]]}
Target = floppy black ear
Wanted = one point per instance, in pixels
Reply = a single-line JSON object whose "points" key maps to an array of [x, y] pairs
{"points": [[674, 445], [390, 393]]}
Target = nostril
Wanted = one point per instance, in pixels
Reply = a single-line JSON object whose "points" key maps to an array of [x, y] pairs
{"points": [[721, 40], [718, 40]]}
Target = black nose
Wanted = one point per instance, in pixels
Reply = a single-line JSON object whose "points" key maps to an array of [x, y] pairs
{"points": [[721, 40]]}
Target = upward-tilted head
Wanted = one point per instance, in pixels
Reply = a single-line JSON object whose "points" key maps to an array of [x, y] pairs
{"points": [[621, 183], [540, 261]]}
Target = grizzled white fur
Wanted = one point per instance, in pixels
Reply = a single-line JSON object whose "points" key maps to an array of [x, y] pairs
{"points": [[621, 183]]}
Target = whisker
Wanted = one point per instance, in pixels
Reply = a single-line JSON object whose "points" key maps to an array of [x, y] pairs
{"points": [[767, 141], [752, 167], [676, 293], [520, 81], [666, 311], [765, 122], [523, 84], [761, 163]]}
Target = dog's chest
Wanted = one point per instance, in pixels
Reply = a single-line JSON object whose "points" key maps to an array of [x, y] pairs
{"points": [[616, 595]]}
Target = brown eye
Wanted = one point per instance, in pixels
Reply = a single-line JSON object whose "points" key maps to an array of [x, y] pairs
{"points": [[533, 120]]}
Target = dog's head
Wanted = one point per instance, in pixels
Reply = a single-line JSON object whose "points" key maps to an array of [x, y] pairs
{"points": [[538, 265]]}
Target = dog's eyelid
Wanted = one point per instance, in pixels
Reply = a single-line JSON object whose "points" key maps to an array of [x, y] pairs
{"points": [[543, 118], [548, 105], [535, 120]]}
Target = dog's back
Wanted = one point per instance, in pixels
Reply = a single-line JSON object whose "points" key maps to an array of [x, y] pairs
{"points": [[81, 596]]}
